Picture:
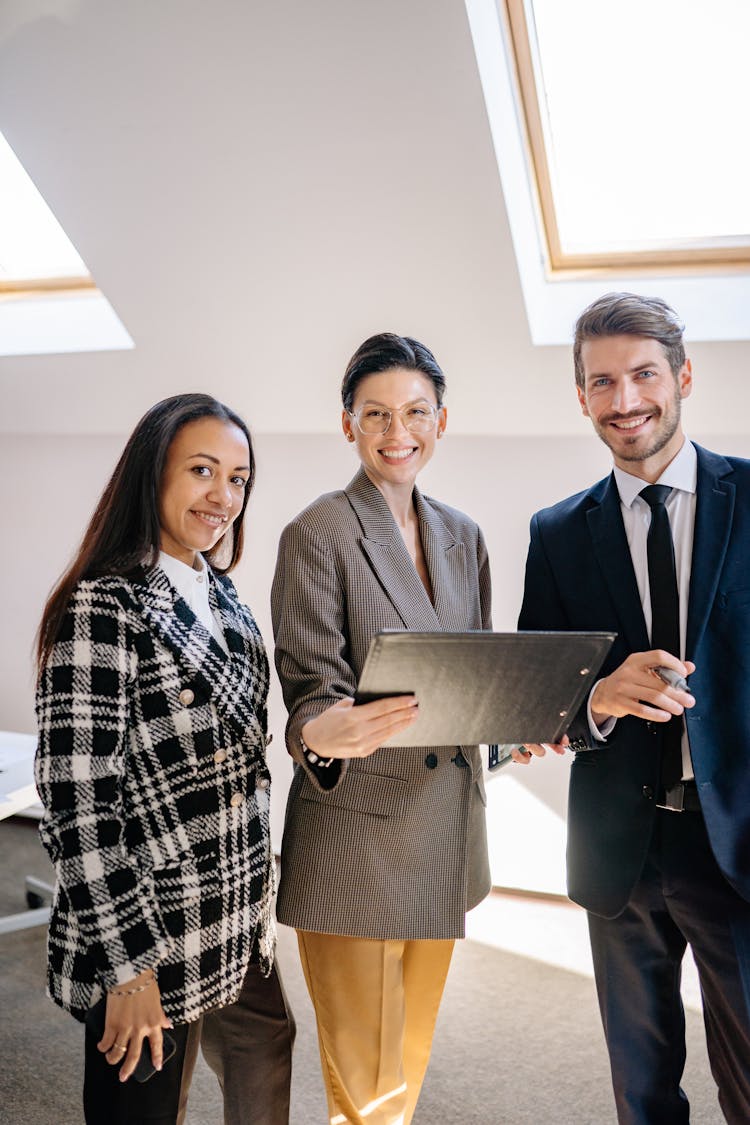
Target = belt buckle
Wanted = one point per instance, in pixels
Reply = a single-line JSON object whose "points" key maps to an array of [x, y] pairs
{"points": [[674, 798]]}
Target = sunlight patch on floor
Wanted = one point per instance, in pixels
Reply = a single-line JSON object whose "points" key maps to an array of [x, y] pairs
{"points": [[551, 932]]}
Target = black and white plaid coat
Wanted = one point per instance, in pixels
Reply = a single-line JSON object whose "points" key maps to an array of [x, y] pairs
{"points": [[151, 768]]}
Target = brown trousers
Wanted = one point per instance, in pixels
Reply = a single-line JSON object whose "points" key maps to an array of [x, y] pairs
{"points": [[248, 1045]]}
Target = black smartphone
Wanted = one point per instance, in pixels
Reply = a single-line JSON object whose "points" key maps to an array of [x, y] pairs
{"points": [[361, 697], [144, 1068]]}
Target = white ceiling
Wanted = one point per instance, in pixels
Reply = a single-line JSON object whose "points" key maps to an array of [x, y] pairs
{"points": [[257, 185]]}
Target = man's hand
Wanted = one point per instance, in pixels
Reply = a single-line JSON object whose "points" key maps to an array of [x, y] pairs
{"points": [[524, 754], [635, 689]]}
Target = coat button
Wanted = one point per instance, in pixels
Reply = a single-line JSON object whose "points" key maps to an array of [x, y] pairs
{"points": [[648, 792], [186, 697], [263, 783], [431, 761], [220, 756], [459, 760], [236, 800]]}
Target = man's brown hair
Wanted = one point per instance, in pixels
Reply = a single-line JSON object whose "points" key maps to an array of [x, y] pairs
{"points": [[627, 314]]}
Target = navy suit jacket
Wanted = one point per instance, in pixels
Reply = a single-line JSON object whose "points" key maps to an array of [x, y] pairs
{"points": [[579, 576]]}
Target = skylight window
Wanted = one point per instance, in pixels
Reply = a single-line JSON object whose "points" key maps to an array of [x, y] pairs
{"points": [[48, 300], [648, 151], [33, 246], [634, 115]]}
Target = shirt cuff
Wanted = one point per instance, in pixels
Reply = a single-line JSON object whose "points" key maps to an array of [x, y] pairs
{"points": [[602, 733]]}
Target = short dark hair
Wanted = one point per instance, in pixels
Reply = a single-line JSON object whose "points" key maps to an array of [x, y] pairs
{"points": [[627, 314], [386, 350], [124, 532]]}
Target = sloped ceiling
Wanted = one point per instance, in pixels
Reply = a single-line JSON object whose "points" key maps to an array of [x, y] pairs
{"points": [[256, 186]]}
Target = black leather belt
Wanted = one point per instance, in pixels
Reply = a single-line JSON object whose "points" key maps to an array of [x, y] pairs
{"points": [[682, 797]]}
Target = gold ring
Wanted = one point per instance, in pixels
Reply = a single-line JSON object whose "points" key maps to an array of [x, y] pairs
{"points": [[119, 1046]]}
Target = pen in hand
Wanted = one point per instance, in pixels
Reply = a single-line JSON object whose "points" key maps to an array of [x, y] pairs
{"points": [[673, 679]]}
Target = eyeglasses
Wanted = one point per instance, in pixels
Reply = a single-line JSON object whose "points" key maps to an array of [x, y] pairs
{"points": [[419, 418]]}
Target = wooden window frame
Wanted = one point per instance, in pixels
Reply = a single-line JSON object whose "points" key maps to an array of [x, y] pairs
{"points": [[701, 256], [23, 289]]}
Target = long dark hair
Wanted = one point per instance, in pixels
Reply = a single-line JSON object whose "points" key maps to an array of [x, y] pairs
{"points": [[124, 532]]}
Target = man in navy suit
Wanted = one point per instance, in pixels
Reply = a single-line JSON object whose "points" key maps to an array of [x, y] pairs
{"points": [[657, 864]]}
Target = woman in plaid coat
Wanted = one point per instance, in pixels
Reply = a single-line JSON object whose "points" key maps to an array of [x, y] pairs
{"points": [[151, 706]]}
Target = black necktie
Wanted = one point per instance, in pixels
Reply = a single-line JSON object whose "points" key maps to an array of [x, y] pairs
{"points": [[665, 613]]}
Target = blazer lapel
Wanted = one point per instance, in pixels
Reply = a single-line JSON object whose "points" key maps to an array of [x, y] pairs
{"points": [[235, 682], [173, 620], [612, 552], [446, 562], [389, 558], [714, 509], [242, 685], [232, 623]]}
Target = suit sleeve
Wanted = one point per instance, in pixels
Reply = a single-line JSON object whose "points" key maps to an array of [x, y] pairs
{"points": [[542, 608], [308, 609], [83, 714]]}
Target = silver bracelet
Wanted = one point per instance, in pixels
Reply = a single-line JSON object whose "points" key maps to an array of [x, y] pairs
{"points": [[313, 758]]}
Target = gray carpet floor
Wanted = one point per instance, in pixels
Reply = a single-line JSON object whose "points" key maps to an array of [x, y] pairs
{"points": [[517, 1042]]}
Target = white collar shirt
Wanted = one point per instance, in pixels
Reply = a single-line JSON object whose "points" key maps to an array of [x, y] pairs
{"points": [[681, 474], [192, 585]]}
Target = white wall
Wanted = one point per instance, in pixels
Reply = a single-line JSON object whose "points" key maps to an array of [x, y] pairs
{"points": [[259, 186]]}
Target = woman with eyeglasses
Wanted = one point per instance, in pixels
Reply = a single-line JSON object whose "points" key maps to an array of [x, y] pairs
{"points": [[384, 848]]}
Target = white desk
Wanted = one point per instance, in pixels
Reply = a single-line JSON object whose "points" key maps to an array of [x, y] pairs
{"points": [[17, 790], [18, 795]]}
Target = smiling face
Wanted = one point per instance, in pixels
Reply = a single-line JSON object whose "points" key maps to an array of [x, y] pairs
{"points": [[393, 459], [634, 401], [203, 487]]}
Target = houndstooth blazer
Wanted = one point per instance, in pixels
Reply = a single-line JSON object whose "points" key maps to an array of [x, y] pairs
{"points": [[151, 768], [396, 848]]}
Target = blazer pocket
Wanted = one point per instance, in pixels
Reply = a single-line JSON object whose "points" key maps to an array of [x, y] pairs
{"points": [[735, 599], [371, 793]]}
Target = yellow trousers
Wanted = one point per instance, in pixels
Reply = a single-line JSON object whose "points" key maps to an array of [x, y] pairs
{"points": [[376, 1003]]}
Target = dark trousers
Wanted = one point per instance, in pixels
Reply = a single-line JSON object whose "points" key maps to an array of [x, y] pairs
{"points": [[681, 899], [248, 1045]]}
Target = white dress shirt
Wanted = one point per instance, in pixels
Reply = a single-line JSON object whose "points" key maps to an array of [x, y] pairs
{"points": [[191, 584], [681, 474]]}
